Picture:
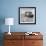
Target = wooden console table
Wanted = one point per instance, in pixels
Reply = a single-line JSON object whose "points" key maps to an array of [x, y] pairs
{"points": [[20, 39]]}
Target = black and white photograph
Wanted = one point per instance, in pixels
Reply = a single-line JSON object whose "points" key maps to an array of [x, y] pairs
{"points": [[27, 15]]}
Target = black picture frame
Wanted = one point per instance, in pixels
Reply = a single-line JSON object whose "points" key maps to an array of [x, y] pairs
{"points": [[27, 15]]}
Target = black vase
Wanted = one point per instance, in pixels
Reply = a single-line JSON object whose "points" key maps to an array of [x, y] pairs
{"points": [[29, 14]]}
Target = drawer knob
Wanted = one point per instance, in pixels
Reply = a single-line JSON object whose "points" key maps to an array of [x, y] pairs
{"points": [[33, 42]]}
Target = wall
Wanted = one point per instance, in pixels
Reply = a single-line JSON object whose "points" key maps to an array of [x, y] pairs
{"points": [[9, 8]]}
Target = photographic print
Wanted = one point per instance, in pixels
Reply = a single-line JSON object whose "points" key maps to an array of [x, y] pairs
{"points": [[27, 15]]}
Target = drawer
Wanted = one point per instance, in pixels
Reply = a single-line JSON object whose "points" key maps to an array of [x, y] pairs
{"points": [[13, 43], [16, 37], [33, 37], [37, 43], [9, 43], [19, 42], [33, 43]]}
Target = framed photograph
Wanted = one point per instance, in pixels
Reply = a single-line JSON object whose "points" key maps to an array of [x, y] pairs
{"points": [[27, 15]]}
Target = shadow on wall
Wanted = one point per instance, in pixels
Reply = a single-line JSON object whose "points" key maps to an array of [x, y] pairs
{"points": [[2, 21]]}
